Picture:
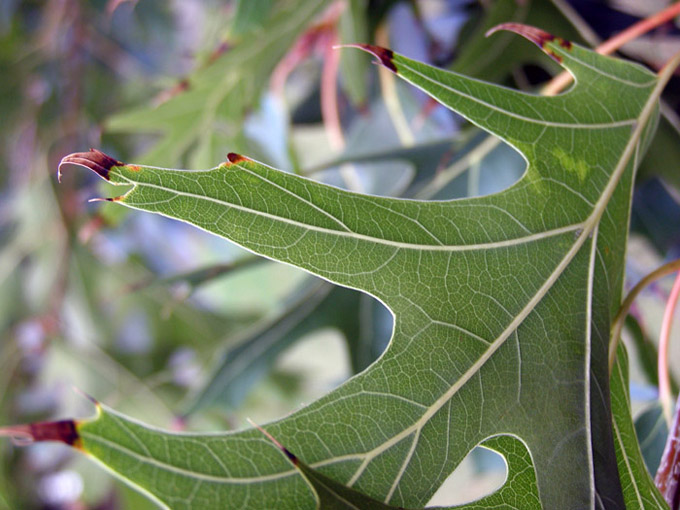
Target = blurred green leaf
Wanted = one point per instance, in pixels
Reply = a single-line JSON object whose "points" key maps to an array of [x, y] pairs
{"points": [[249, 14], [199, 121], [652, 431], [664, 153], [354, 66], [647, 353], [250, 359]]}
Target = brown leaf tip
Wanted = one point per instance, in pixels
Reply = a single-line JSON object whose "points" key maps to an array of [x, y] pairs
{"points": [[385, 55], [95, 160], [537, 36], [236, 158], [106, 199], [64, 431]]}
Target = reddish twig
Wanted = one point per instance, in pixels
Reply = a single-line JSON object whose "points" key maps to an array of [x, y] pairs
{"points": [[667, 478], [617, 323], [329, 95], [664, 341]]}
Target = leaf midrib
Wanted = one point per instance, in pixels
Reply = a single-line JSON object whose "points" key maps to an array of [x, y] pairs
{"points": [[355, 235]]}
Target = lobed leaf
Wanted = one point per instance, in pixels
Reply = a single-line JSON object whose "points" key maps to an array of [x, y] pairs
{"points": [[502, 306]]}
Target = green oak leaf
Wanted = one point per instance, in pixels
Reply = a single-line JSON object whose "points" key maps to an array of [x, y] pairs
{"points": [[502, 304], [652, 433]]}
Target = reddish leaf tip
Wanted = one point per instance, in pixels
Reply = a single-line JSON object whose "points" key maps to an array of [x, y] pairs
{"points": [[64, 431], [94, 159], [236, 158], [384, 55], [105, 199], [537, 36]]}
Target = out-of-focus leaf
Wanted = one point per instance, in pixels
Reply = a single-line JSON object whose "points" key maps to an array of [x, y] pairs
{"points": [[664, 153], [354, 66], [647, 353], [168, 323], [638, 486], [502, 303], [200, 121], [250, 14], [200, 276], [652, 431], [656, 214], [317, 304]]}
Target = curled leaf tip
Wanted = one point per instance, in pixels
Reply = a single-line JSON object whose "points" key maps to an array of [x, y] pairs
{"points": [[94, 159], [64, 431], [236, 158], [384, 55], [537, 36]]}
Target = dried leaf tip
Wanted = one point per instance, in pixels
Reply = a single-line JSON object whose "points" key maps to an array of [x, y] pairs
{"points": [[537, 36], [64, 431], [286, 451], [384, 55], [106, 199], [234, 158], [95, 160]]}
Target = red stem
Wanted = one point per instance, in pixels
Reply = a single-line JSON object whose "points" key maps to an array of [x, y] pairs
{"points": [[667, 478], [664, 341], [329, 95]]}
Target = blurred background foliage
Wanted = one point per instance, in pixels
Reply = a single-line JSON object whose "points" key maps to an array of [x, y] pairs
{"points": [[187, 331]]}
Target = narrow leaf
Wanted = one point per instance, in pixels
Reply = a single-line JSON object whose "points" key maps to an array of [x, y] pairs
{"points": [[638, 486]]}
